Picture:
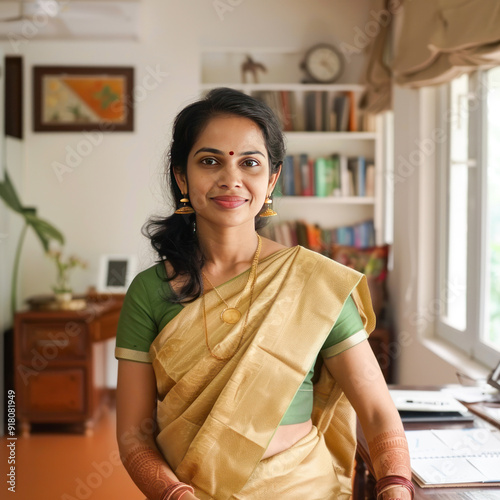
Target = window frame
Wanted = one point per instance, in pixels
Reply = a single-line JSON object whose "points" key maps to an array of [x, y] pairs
{"points": [[470, 340]]}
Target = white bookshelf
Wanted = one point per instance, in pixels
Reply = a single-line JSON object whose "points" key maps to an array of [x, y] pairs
{"points": [[328, 200], [292, 87], [220, 67]]}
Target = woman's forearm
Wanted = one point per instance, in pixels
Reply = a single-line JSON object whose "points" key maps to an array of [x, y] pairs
{"points": [[152, 475], [389, 454], [391, 463]]}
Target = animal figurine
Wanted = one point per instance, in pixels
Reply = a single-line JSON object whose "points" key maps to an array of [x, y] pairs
{"points": [[249, 65]]}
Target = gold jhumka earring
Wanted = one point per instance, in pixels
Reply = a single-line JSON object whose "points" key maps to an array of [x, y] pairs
{"points": [[185, 209], [268, 212]]}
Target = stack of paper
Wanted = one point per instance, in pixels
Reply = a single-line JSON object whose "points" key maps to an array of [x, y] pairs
{"points": [[455, 457]]}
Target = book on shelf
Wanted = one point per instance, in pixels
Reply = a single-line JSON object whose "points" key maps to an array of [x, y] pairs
{"points": [[346, 181], [325, 176], [288, 176], [320, 239], [356, 167], [296, 115], [370, 180], [316, 110], [310, 111], [455, 457], [300, 229], [353, 119], [341, 108], [287, 113], [297, 176], [325, 125], [274, 101], [337, 181], [306, 170]]}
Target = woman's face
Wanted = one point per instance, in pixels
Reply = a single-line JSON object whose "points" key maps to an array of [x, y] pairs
{"points": [[228, 172]]}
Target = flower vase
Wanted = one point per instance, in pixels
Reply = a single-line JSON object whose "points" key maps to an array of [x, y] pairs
{"points": [[63, 297]]}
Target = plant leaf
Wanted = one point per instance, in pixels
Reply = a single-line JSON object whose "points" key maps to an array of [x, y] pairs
{"points": [[44, 230], [9, 195]]}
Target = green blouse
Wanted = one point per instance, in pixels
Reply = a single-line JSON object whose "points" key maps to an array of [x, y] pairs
{"points": [[146, 310]]}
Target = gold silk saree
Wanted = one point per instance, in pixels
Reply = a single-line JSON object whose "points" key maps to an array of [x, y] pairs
{"points": [[216, 418]]}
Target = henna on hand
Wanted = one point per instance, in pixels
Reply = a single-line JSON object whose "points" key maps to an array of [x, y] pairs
{"points": [[148, 470], [389, 454]]}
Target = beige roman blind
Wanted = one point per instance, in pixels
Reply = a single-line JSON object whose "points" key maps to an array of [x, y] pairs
{"points": [[442, 39], [434, 41]]}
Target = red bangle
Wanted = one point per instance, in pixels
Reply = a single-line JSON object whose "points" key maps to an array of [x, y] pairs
{"points": [[385, 482]]}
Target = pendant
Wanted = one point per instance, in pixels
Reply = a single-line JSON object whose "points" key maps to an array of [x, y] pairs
{"points": [[230, 315]]}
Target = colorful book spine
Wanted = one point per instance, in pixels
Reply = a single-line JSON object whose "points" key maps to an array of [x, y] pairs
{"points": [[337, 182], [321, 176], [305, 175], [297, 176], [300, 232], [288, 176], [336, 175], [287, 114], [361, 176]]}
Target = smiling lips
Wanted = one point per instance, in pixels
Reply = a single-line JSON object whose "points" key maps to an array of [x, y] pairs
{"points": [[229, 201]]}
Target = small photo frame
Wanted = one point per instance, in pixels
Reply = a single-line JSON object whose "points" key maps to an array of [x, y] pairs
{"points": [[82, 98], [494, 377], [116, 273]]}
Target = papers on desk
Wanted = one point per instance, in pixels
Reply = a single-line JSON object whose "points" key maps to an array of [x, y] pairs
{"points": [[429, 406], [472, 394], [455, 457]]}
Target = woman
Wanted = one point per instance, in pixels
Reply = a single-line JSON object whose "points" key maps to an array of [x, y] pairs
{"points": [[217, 343]]}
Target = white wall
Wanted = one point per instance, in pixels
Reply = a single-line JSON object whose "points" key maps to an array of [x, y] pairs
{"points": [[101, 205], [412, 273], [420, 358]]}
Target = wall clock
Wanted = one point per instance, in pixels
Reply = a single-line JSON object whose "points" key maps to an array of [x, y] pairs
{"points": [[323, 63]]}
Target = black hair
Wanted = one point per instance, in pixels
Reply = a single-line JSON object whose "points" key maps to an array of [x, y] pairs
{"points": [[174, 237]]}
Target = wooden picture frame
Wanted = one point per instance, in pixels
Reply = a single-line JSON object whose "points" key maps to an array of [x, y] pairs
{"points": [[13, 99], [82, 98], [116, 273]]}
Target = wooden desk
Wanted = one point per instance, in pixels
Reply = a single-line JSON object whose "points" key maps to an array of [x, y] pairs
{"points": [[364, 482], [59, 361]]}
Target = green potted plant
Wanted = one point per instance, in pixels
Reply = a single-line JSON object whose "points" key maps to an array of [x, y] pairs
{"points": [[62, 289], [45, 231]]}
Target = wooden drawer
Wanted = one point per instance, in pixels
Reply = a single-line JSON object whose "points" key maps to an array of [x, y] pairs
{"points": [[105, 327], [53, 340], [56, 391]]}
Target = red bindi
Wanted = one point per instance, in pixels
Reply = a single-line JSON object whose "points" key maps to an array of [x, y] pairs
{"points": [[231, 153]]}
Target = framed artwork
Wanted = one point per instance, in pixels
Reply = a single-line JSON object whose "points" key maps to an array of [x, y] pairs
{"points": [[115, 273], [79, 98]]}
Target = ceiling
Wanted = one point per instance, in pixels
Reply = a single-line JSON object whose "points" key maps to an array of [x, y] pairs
{"points": [[69, 19]]}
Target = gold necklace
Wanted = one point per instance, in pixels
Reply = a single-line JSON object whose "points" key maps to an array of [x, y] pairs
{"points": [[231, 315], [253, 273]]}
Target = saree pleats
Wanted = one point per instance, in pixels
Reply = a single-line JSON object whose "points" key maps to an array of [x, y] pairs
{"points": [[303, 471], [216, 418]]}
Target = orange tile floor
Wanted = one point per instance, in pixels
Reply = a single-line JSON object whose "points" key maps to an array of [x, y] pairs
{"points": [[66, 465]]}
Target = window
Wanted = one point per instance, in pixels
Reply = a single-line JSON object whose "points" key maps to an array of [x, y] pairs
{"points": [[468, 283]]}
